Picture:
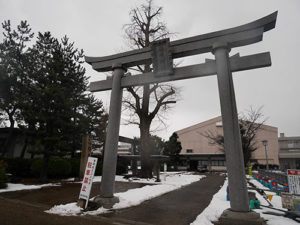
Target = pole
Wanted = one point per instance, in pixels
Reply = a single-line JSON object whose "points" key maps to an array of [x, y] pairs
{"points": [[112, 136], [238, 193], [267, 157], [84, 155], [157, 171]]}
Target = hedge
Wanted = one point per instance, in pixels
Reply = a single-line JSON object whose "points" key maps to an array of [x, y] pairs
{"points": [[57, 168], [75, 166], [3, 176], [18, 167]]}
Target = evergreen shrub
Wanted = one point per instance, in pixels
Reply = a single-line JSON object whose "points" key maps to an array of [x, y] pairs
{"points": [[19, 167], [75, 166], [3, 176], [57, 168], [122, 167], [98, 171]]}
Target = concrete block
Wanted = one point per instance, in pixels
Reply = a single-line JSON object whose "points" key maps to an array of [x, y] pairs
{"points": [[240, 218]]}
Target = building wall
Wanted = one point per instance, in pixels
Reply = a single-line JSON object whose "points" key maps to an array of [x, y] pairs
{"points": [[270, 134], [289, 152], [193, 138], [16, 144]]}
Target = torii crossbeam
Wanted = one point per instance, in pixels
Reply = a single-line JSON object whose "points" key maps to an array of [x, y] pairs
{"points": [[161, 54]]}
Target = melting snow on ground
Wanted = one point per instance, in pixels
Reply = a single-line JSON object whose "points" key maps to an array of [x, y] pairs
{"points": [[20, 187], [173, 181], [132, 197], [218, 204]]}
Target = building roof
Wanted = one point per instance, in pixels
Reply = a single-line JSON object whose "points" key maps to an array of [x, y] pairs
{"points": [[199, 125], [288, 138], [215, 120]]}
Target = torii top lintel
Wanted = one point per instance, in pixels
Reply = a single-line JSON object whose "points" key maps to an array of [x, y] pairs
{"points": [[235, 37]]}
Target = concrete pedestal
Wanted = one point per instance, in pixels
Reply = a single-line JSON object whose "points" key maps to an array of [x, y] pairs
{"points": [[240, 218], [106, 202]]}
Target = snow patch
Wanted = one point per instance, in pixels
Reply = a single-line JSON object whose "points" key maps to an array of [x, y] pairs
{"points": [[218, 204], [20, 187], [135, 196], [70, 209]]}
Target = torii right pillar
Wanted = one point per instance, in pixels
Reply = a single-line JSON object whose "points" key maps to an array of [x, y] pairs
{"points": [[239, 212]]}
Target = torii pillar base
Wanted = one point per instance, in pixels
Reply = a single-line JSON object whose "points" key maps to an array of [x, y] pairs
{"points": [[107, 203], [230, 217]]}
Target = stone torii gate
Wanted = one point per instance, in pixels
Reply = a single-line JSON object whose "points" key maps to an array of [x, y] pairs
{"points": [[161, 55]]}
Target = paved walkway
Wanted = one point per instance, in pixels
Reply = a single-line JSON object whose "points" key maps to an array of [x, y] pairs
{"points": [[178, 207]]}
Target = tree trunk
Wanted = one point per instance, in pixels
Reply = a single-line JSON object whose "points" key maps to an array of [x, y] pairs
{"points": [[44, 170], [146, 164], [145, 122]]}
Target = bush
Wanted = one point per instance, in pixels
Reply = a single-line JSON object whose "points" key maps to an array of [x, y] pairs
{"points": [[19, 167], [75, 166], [98, 171], [36, 167], [3, 176], [57, 168], [122, 167]]}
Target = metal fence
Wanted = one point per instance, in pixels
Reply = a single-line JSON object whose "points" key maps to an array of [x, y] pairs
{"points": [[281, 177]]}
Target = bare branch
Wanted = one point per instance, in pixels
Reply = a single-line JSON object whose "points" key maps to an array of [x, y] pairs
{"points": [[137, 99], [160, 103]]}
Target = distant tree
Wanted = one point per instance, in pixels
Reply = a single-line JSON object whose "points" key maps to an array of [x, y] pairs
{"points": [[250, 123], [150, 102], [57, 110], [172, 149], [96, 118], [13, 74], [2, 120], [156, 145]]}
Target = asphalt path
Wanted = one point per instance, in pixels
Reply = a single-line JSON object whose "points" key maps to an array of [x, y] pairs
{"points": [[178, 207]]}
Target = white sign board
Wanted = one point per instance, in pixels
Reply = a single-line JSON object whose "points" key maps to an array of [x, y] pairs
{"points": [[294, 181], [287, 200], [88, 179]]}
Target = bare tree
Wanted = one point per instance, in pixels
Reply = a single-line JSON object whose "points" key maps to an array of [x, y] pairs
{"points": [[250, 123], [149, 102]]}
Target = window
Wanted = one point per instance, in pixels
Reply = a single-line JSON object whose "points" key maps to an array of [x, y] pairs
{"points": [[294, 150], [189, 151], [202, 163], [214, 163], [218, 163], [221, 163], [290, 144]]}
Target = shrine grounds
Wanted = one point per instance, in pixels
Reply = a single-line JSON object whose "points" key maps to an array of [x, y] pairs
{"points": [[198, 200], [180, 206]]}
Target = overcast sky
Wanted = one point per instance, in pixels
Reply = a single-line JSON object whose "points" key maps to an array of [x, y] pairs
{"points": [[96, 27]]}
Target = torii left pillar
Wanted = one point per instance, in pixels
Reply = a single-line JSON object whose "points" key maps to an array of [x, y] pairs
{"points": [[107, 198]]}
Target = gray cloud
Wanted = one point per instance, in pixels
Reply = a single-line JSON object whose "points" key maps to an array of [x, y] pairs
{"points": [[96, 26]]}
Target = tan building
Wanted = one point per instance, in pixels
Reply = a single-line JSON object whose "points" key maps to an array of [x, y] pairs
{"points": [[200, 152]]}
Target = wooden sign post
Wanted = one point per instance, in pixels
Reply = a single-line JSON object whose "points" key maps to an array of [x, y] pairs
{"points": [[161, 55], [85, 152], [87, 182]]}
